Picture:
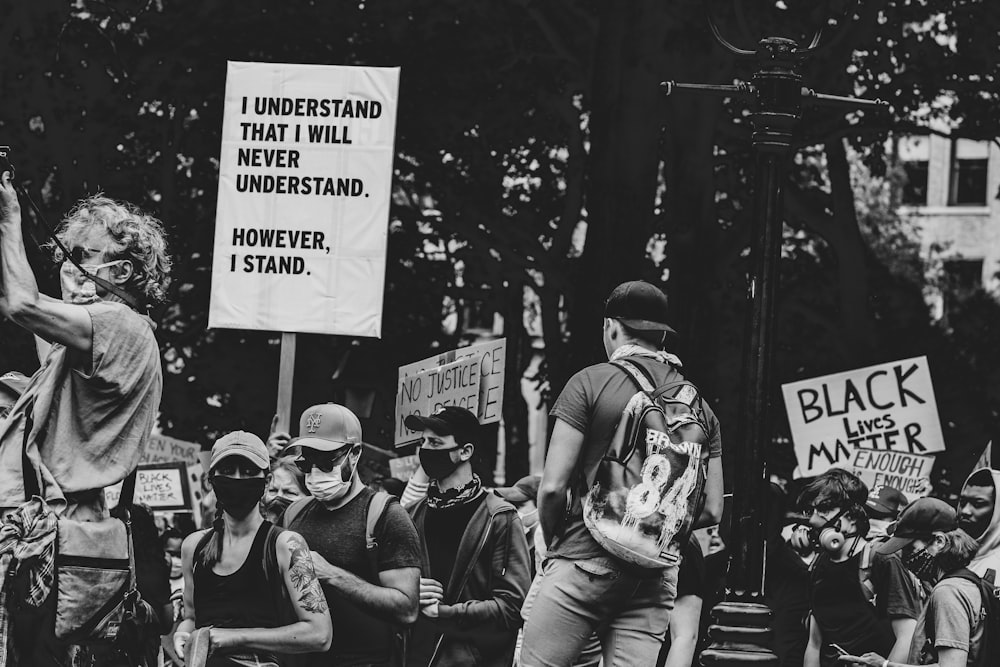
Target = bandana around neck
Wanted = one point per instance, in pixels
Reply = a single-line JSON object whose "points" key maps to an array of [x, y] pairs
{"points": [[438, 499], [639, 351]]}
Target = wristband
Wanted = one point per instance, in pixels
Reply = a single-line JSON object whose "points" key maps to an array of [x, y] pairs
{"points": [[885, 663]]}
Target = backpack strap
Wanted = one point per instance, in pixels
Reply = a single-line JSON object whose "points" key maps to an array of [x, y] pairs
{"points": [[637, 373], [295, 509], [686, 391], [376, 507], [865, 572]]}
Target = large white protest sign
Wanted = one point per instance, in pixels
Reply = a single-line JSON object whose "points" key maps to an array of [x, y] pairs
{"points": [[162, 486], [909, 473], [471, 377], [888, 407], [304, 189]]}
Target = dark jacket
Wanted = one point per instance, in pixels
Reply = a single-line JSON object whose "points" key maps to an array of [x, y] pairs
{"points": [[484, 594]]}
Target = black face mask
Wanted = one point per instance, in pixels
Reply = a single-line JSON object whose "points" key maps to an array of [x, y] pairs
{"points": [[437, 463], [922, 564], [277, 505], [237, 497]]}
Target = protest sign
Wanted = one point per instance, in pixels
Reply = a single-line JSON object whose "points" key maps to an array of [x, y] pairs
{"points": [[304, 188], [162, 486], [403, 467], [887, 407], [164, 449], [448, 379], [909, 473]]}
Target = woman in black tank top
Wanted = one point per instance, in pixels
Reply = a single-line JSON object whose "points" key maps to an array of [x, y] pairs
{"points": [[240, 608]]}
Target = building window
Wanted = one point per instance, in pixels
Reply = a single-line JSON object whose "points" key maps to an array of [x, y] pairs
{"points": [[967, 184], [963, 277], [914, 156]]}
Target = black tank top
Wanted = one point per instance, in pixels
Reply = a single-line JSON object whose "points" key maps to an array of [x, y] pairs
{"points": [[238, 600]]}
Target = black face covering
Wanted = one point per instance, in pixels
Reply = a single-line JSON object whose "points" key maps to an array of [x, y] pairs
{"points": [[237, 497], [277, 505], [437, 463], [922, 564]]}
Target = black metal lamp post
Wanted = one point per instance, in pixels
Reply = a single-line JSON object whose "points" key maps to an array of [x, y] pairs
{"points": [[741, 631]]}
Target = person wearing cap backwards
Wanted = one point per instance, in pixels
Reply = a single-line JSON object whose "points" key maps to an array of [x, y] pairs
{"points": [[977, 515], [232, 610], [476, 567], [899, 595], [950, 631], [86, 415], [370, 596], [583, 589]]}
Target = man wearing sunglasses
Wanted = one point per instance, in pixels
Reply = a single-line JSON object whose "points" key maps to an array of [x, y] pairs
{"points": [[86, 415], [371, 591]]}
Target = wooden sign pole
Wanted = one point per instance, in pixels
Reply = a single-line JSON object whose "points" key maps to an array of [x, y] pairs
{"points": [[286, 377]]}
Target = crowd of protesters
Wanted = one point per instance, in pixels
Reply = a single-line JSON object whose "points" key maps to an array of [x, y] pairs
{"points": [[301, 563]]}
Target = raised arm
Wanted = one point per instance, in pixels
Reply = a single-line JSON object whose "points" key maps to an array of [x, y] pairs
{"points": [[20, 300]]}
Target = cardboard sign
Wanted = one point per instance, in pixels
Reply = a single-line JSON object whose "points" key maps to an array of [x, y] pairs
{"points": [[164, 449], [162, 486], [448, 379], [403, 467], [909, 473], [304, 188], [888, 407]]}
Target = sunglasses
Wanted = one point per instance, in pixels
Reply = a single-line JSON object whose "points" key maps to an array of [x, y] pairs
{"points": [[323, 463]]}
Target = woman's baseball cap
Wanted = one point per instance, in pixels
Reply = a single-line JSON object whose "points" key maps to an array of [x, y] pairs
{"points": [[240, 443]]}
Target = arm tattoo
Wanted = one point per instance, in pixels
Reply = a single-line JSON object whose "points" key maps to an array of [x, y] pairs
{"points": [[303, 576]]}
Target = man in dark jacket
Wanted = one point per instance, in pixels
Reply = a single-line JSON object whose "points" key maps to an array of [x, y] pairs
{"points": [[476, 567]]}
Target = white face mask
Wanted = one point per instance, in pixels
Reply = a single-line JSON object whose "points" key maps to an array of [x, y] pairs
{"points": [[78, 288], [328, 486]]}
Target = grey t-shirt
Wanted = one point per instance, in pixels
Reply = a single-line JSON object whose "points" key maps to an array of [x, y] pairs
{"points": [[90, 415], [592, 403], [954, 618]]}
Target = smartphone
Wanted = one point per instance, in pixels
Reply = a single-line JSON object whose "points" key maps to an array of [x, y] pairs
{"points": [[839, 650], [5, 164]]}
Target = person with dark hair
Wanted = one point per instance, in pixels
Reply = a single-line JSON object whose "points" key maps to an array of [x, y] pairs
{"points": [[950, 631], [250, 591], [899, 595], [842, 612], [977, 515], [476, 568], [584, 588]]}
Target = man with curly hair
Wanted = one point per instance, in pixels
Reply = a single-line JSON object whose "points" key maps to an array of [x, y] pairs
{"points": [[85, 417]]}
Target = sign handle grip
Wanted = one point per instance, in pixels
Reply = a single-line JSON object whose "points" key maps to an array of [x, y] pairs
{"points": [[286, 377]]}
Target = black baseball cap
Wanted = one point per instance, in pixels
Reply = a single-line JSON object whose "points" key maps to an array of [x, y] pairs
{"points": [[886, 504], [921, 518], [640, 306], [449, 420]]}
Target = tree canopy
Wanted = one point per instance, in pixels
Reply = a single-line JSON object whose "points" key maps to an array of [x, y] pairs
{"points": [[537, 161]]}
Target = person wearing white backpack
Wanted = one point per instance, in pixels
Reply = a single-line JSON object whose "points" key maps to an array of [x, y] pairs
{"points": [[584, 588]]}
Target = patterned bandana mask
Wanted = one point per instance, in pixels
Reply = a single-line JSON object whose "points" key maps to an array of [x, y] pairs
{"points": [[438, 499]]}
